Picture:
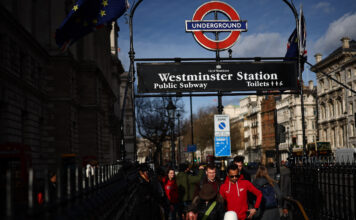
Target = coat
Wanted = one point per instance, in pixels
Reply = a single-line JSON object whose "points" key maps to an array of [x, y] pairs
{"points": [[144, 203], [272, 213], [171, 190], [235, 195], [186, 185], [199, 206]]}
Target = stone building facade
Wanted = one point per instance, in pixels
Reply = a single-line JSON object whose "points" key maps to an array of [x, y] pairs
{"points": [[251, 115], [289, 115], [336, 103], [59, 105]]}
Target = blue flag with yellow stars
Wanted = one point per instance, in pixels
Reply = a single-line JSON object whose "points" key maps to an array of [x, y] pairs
{"points": [[85, 17]]}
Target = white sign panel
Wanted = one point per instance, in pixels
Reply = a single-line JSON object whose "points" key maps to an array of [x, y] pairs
{"points": [[221, 125]]}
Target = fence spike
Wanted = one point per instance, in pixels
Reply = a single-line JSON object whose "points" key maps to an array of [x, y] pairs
{"points": [[9, 193], [59, 184], [83, 178], [46, 189], [76, 179], [68, 184], [30, 188]]}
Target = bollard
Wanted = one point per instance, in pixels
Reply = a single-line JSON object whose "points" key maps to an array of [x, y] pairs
{"points": [[30, 188], [9, 193]]}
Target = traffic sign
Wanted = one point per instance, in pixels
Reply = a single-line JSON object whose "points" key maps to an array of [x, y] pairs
{"points": [[222, 146], [198, 26], [192, 148], [222, 125]]}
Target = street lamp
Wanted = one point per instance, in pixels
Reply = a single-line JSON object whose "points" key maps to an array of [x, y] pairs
{"points": [[171, 108]]}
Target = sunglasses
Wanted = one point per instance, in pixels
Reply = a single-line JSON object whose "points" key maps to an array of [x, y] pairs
{"points": [[236, 176]]}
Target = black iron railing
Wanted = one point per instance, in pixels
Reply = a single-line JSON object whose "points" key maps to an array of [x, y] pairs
{"points": [[80, 193], [325, 188]]}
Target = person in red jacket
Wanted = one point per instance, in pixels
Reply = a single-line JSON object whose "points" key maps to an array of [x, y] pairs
{"points": [[234, 191], [171, 190]]}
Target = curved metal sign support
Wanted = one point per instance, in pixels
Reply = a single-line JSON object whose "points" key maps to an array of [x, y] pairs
{"points": [[131, 79]]}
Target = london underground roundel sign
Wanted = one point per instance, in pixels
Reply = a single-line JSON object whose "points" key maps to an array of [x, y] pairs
{"points": [[198, 26]]}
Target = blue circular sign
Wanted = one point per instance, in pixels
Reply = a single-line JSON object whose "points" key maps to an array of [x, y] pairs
{"points": [[222, 125]]}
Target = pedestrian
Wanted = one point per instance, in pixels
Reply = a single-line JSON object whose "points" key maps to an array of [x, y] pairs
{"points": [[271, 195], [234, 191], [209, 178], [239, 161], [144, 201], [285, 184], [208, 205], [171, 190], [186, 182], [52, 188]]}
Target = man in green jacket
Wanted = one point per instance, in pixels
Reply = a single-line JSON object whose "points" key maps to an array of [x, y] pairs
{"points": [[186, 183]]}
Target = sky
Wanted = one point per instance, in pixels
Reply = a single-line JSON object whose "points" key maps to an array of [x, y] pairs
{"points": [[159, 32]]}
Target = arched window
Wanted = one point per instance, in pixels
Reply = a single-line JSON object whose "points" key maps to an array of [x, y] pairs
{"points": [[321, 85], [331, 109], [322, 111]]}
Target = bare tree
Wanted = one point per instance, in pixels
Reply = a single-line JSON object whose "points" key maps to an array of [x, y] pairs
{"points": [[153, 122]]}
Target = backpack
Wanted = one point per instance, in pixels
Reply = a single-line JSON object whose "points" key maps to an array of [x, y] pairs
{"points": [[269, 197]]}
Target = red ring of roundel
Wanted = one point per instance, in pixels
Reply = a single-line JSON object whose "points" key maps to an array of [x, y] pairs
{"points": [[208, 43]]}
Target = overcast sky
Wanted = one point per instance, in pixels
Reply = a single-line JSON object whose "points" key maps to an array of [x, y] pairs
{"points": [[159, 32]]}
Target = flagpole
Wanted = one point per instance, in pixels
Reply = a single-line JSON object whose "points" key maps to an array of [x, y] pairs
{"points": [[301, 84], [130, 82]]}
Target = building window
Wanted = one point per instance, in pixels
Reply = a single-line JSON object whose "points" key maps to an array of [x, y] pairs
{"points": [[352, 129], [351, 108], [348, 91], [349, 74], [321, 85]]}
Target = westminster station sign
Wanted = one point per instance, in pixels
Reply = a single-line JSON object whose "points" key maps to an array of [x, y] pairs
{"points": [[212, 76]]}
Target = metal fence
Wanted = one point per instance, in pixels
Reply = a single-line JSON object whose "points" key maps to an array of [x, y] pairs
{"points": [[325, 188], [79, 194]]}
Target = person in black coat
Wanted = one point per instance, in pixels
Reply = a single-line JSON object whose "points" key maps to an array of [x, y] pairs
{"points": [[209, 202], [239, 161], [145, 200]]}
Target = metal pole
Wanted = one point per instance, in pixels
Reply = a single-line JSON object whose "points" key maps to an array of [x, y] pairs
{"points": [[173, 144], [130, 80], [295, 13], [276, 136], [179, 147]]}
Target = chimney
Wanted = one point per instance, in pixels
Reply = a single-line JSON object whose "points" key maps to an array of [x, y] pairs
{"points": [[311, 85], [345, 42], [318, 57]]}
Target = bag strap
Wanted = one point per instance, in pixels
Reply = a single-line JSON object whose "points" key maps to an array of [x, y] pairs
{"points": [[210, 209]]}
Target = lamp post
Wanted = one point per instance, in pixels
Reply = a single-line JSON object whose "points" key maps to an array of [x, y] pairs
{"points": [[171, 108]]}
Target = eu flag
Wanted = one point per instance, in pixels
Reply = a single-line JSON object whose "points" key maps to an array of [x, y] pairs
{"points": [[86, 16], [292, 46]]}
